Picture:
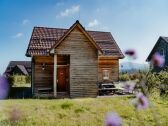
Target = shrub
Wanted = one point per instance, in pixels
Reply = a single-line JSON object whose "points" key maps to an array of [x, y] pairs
{"points": [[19, 80], [133, 76], [157, 83], [124, 77], [28, 79], [152, 81]]}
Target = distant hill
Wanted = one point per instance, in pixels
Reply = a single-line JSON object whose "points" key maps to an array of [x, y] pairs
{"points": [[133, 67]]}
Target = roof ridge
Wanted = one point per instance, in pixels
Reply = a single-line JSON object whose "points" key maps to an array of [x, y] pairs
{"points": [[164, 36], [101, 38], [87, 35]]}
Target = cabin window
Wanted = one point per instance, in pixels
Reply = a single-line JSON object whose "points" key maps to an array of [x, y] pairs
{"points": [[162, 52], [106, 74]]}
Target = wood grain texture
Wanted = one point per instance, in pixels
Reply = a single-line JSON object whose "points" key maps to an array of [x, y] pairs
{"points": [[83, 64], [110, 64], [43, 78], [85, 68]]}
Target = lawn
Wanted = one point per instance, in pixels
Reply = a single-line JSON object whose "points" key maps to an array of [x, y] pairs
{"points": [[78, 112]]}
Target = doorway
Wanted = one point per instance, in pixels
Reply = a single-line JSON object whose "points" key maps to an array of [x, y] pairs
{"points": [[63, 79]]}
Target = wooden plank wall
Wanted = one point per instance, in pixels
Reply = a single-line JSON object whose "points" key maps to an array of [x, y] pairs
{"points": [[110, 64], [83, 64], [43, 78]]}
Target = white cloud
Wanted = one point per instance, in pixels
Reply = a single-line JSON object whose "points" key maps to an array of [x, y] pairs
{"points": [[25, 21], [93, 23], [96, 25], [69, 11], [18, 35]]}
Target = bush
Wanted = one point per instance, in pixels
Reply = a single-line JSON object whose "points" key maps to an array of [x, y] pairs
{"points": [[157, 83], [152, 81], [133, 76], [19, 81], [124, 77], [28, 79]]}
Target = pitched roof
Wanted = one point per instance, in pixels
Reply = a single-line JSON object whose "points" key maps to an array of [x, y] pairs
{"points": [[23, 69], [165, 38], [155, 46], [43, 39], [76, 24], [24, 66]]}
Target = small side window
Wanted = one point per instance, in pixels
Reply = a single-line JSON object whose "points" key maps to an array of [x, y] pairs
{"points": [[106, 74], [162, 52]]}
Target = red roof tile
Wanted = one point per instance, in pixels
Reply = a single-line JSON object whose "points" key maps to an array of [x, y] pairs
{"points": [[44, 38]]}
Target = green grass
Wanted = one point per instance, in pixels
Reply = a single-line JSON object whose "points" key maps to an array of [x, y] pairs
{"points": [[78, 112]]}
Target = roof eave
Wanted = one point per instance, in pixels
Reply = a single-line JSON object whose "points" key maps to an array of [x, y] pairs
{"points": [[149, 56], [28, 55], [112, 56]]}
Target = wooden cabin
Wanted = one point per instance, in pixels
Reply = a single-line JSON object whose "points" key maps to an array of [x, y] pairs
{"points": [[70, 62]]}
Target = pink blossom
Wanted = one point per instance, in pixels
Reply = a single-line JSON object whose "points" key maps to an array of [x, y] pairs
{"points": [[158, 60], [113, 119], [131, 53], [141, 102], [4, 87], [129, 87]]}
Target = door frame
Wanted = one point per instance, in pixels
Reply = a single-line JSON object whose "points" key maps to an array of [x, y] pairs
{"points": [[68, 82]]}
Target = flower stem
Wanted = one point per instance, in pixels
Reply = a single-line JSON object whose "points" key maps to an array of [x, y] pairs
{"points": [[151, 107], [139, 119]]}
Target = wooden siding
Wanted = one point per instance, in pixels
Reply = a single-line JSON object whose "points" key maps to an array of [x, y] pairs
{"points": [[85, 68], [109, 64], [83, 64], [43, 78]]}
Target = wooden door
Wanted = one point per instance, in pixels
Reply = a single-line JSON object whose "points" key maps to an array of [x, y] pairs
{"points": [[62, 79]]}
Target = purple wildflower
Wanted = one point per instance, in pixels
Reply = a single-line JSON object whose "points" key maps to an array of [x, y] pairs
{"points": [[158, 60], [129, 87], [113, 119], [131, 53], [141, 102], [4, 87]]}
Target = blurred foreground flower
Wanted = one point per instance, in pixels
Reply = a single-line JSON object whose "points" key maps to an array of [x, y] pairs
{"points": [[15, 114], [140, 102], [129, 87], [4, 87], [158, 60], [131, 53], [113, 119]]}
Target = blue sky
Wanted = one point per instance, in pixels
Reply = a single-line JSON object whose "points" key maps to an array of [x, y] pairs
{"points": [[134, 24]]}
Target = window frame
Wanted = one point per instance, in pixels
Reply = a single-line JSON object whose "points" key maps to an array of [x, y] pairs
{"points": [[162, 52], [105, 73]]}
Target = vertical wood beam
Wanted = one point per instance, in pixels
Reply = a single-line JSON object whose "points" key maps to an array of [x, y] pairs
{"points": [[55, 75], [32, 75]]}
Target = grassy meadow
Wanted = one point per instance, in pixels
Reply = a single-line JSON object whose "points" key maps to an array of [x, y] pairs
{"points": [[78, 112]]}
